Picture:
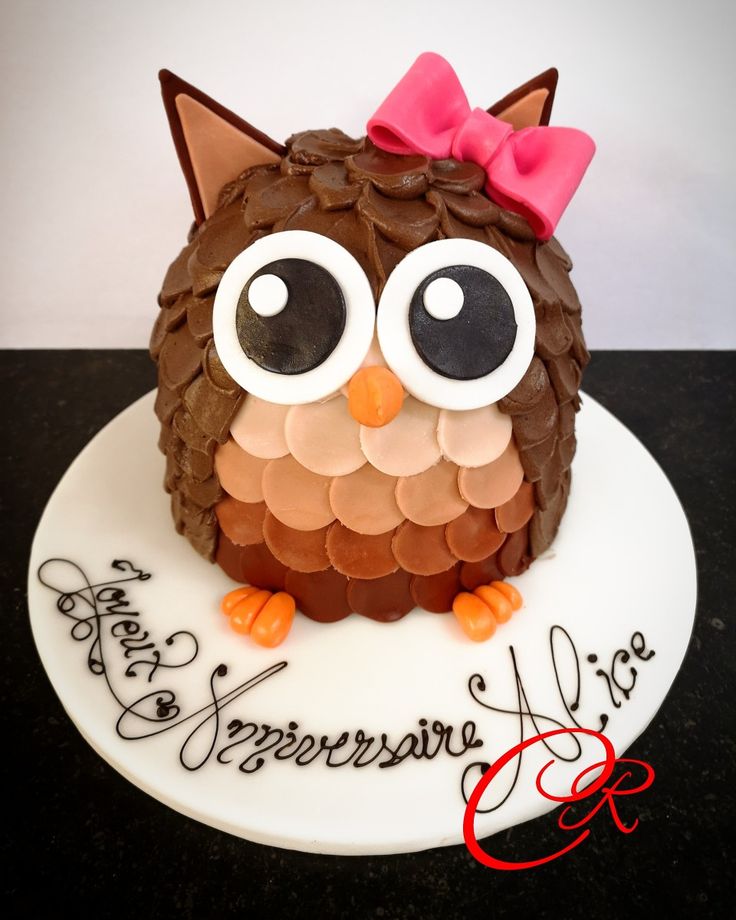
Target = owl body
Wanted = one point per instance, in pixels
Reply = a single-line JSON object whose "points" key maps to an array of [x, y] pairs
{"points": [[302, 496]]}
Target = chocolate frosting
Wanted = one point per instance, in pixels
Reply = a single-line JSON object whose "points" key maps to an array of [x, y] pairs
{"points": [[301, 550], [474, 535], [385, 599], [321, 596], [436, 592], [378, 206]]}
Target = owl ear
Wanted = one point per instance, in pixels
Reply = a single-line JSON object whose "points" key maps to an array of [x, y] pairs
{"points": [[529, 105], [214, 146]]}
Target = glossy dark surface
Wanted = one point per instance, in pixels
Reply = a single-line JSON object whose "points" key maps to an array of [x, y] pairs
{"points": [[87, 842], [306, 331], [478, 339]]}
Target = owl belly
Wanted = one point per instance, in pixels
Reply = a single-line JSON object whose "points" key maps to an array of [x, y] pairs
{"points": [[371, 520]]}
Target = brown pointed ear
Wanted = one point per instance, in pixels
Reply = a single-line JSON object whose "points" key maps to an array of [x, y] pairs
{"points": [[214, 146], [529, 105]]}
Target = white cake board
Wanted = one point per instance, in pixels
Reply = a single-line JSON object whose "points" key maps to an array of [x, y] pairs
{"points": [[622, 564]]}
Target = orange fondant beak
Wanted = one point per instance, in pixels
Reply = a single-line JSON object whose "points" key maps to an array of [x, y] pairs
{"points": [[375, 395]]}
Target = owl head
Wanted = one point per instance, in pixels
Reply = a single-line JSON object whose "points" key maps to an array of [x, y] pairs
{"points": [[382, 304]]}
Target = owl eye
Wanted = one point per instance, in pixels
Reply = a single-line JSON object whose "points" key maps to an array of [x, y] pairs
{"points": [[456, 324], [293, 317], [290, 316]]}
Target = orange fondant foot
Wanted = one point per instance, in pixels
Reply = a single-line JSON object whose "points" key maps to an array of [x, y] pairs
{"points": [[480, 612], [266, 617]]}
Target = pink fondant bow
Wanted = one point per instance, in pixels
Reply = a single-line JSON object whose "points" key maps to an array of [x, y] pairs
{"points": [[533, 172]]}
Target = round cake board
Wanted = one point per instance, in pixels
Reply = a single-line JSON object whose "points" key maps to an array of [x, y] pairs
{"points": [[355, 737]]}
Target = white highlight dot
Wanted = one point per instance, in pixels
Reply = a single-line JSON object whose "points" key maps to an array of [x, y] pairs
{"points": [[268, 295], [443, 298]]}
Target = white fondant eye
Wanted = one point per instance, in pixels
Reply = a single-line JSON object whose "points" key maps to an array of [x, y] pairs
{"points": [[443, 298], [293, 317], [268, 295], [456, 324]]}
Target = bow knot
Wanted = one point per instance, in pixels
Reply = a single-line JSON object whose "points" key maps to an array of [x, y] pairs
{"points": [[479, 137], [533, 172]]}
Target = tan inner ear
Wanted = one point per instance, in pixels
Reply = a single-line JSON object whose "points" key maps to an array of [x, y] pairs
{"points": [[218, 151], [525, 112]]}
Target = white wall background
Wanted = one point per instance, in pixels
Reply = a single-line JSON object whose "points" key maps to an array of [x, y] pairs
{"points": [[94, 206]]}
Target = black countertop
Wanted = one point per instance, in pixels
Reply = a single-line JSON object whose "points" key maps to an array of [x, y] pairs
{"points": [[80, 838]]}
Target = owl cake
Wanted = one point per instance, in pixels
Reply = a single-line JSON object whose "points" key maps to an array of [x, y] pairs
{"points": [[369, 354]]}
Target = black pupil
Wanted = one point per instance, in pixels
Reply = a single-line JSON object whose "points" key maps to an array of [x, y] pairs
{"points": [[477, 340], [306, 331]]}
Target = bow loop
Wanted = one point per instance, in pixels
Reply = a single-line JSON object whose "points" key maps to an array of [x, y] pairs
{"points": [[533, 172], [422, 112]]}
